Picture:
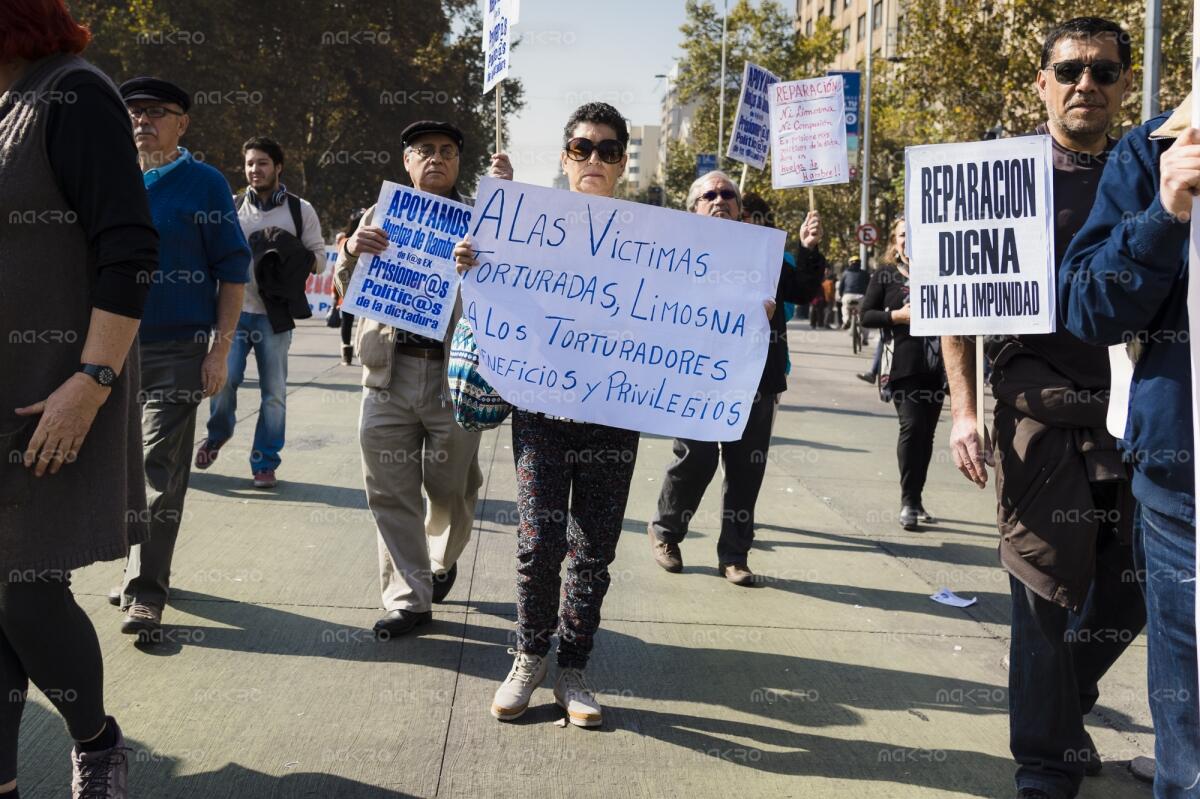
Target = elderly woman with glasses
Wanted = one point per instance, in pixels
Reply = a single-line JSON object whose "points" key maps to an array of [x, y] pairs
{"points": [[572, 482], [695, 464]]}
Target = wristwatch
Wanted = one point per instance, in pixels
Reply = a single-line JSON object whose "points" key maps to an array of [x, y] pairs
{"points": [[104, 375]]}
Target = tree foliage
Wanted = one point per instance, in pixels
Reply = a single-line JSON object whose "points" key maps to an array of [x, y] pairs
{"points": [[334, 83], [965, 67]]}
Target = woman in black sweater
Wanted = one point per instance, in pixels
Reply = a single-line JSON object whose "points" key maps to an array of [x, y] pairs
{"points": [[915, 383]]}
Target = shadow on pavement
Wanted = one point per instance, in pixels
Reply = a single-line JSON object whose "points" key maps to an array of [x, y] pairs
{"points": [[226, 485], [151, 772]]}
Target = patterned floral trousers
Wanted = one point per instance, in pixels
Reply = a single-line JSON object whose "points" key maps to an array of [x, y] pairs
{"points": [[572, 484]]}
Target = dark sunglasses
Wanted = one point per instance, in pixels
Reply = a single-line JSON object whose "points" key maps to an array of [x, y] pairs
{"points": [[1106, 73], [581, 149], [724, 194]]}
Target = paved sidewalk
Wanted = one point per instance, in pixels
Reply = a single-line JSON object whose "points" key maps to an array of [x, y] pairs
{"points": [[838, 677]]}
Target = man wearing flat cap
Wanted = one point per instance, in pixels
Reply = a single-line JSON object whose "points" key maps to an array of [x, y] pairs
{"points": [[407, 431], [186, 330]]}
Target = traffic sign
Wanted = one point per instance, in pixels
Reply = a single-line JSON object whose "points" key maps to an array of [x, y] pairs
{"points": [[867, 234]]}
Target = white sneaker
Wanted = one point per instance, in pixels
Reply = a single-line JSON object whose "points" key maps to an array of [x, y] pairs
{"points": [[574, 695], [512, 697]]}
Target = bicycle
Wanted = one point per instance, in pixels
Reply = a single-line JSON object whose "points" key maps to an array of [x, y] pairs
{"points": [[858, 333]]}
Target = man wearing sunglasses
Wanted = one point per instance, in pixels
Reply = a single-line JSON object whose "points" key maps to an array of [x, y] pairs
{"points": [[1063, 492], [695, 464], [186, 330], [407, 431]]}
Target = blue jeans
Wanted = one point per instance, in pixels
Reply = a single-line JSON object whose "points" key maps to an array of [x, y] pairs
{"points": [[1165, 552], [271, 356]]}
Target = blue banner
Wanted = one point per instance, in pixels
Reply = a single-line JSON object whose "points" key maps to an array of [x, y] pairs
{"points": [[852, 88]]}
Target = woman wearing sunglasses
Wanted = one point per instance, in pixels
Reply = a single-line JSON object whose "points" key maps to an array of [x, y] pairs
{"points": [[572, 483]]}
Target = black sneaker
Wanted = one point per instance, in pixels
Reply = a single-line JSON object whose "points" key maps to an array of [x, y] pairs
{"points": [[103, 774], [442, 583], [909, 517], [866, 377]]}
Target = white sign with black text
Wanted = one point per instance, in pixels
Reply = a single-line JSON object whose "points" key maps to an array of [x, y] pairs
{"points": [[980, 237]]}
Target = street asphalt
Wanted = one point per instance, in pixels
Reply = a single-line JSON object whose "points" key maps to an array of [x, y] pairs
{"points": [[837, 676]]}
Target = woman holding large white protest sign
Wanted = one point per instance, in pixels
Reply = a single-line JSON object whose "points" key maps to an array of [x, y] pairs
{"points": [[572, 481], [914, 381]]}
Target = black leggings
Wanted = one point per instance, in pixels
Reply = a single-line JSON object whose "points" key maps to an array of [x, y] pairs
{"points": [[347, 327], [47, 638], [918, 400]]}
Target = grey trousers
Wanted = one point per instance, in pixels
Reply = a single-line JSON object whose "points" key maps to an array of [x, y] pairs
{"points": [[410, 440], [171, 393]]}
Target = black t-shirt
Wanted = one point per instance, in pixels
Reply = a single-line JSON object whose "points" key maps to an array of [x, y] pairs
{"points": [[1076, 178], [90, 145]]}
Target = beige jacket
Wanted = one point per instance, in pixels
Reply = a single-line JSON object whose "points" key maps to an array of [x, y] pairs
{"points": [[374, 341]]}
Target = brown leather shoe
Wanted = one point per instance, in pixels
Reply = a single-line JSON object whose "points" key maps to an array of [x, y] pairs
{"points": [[665, 554], [737, 573]]}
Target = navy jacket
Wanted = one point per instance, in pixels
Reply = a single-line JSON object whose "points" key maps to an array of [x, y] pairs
{"points": [[1124, 279]]}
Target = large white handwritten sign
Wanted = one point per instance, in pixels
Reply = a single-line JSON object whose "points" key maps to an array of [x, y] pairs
{"points": [[751, 136], [411, 284], [980, 236], [624, 314], [808, 133]]}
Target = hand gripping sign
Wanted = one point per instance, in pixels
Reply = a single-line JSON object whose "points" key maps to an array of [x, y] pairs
{"points": [[412, 284]]}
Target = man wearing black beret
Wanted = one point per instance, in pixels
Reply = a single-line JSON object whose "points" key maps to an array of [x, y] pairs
{"points": [[407, 430], [186, 329]]}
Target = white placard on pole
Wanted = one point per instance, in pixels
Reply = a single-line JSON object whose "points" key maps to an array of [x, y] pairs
{"points": [[980, 237], [751, 137], [412, 284], [497, 40], [808, 133], [620, 313]]}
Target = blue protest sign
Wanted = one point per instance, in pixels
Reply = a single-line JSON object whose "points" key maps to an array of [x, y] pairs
{"points": [[412, 284], [705, 162], [751, 138]]}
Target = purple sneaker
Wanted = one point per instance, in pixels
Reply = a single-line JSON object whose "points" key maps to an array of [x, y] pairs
{"points": [[265, 479], [103, 774]]}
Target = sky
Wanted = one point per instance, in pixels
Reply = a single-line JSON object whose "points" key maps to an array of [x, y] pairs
{"points": [[574, 52]]}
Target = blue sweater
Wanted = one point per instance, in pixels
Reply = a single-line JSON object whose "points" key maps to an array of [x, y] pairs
{"points": [[200, 244], [1124, 278]]}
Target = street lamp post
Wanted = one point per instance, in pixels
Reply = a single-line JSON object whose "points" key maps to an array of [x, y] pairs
{"points": [[721, 124], [1150, 105], [864, 210]]}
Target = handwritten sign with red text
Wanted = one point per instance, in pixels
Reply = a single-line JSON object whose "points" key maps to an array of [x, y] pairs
{"points": [[808, 133]]}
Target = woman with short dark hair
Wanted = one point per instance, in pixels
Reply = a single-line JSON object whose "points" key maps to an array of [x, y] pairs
{"points": [[75, 278], [572, 482]]}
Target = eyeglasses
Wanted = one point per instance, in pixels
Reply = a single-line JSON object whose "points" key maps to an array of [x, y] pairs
{"points": [[581, 149], [724, 194], [1068, 73], [152, 112], [447, 152]]}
